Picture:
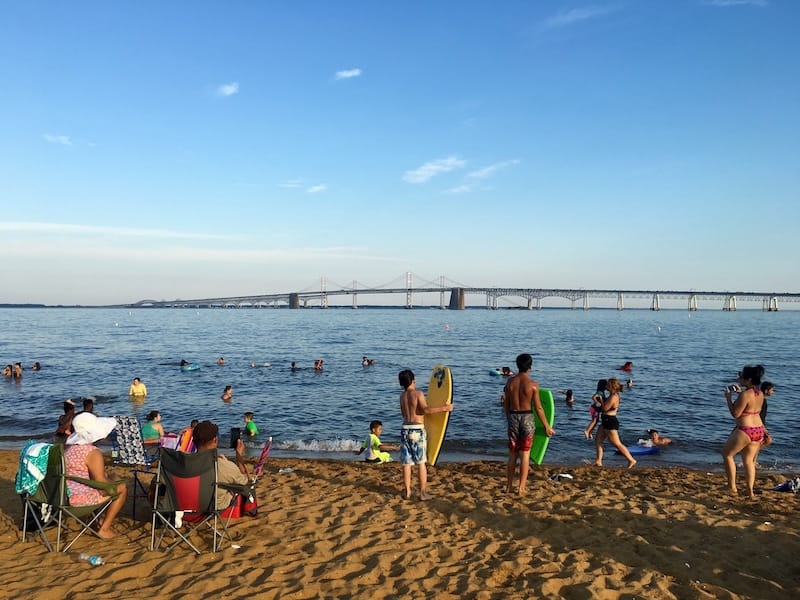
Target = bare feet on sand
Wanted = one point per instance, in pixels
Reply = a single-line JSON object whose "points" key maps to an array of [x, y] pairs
{"points": [[424, 497], [106, 533], [631, 463]]}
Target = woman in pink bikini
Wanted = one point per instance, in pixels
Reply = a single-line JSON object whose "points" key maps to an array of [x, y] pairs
{"points": [[749, 431]]}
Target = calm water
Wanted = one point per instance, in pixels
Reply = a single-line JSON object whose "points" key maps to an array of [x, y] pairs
{"points": [[681, 361]]}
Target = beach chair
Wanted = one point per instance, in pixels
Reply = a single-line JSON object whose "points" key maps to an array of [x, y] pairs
{"points": [[86, 516], [37, 483], [49, 502], [128, 450], [187, 485]]}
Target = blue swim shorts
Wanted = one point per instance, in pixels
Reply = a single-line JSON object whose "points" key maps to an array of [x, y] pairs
{"points": [[413, 445]]}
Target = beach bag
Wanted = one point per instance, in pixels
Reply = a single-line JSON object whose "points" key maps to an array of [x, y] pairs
{"points": [[246, 506]]}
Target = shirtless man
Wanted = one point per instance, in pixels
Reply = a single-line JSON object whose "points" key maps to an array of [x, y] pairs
{"points": [[413, 443], [522, 393]]}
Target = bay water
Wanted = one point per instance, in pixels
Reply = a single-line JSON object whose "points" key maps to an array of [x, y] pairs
{"points": [[682, 361]]}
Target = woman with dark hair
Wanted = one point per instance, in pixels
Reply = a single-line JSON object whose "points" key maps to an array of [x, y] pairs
{"points": [[152, 430], [609, 425], [749, 432]]}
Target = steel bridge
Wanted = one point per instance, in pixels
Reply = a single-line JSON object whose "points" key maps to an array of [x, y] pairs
{"points": [[453, 296]]}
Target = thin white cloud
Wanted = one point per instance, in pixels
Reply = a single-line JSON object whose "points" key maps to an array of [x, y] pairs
{"points": [[492, 170], [94, 230], [292, 183], [727, 3], [433, 168], [89, 250], [316, 189], [577, 15], [459, 189], [228, 89], [348, 74], [57, 139]]}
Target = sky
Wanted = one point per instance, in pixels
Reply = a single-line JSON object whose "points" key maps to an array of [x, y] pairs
{"points": [[164, 150]]}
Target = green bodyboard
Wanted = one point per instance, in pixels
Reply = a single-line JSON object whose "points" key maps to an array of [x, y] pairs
{"points": [[540, 439]]}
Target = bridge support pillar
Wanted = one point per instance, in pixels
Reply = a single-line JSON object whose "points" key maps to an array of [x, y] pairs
{"points": [[456, 299], [770, 304], [294, 300], [585, 301], [656, 305], [730, 304], [693, 302], [620, 301]]}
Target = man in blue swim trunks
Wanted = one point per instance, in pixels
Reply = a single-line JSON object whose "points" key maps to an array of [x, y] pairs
{"points": [[413, 443], [520, 395]]}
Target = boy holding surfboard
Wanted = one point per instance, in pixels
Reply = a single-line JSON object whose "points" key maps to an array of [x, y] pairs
{"points": [[413, 440], [520, 395]]}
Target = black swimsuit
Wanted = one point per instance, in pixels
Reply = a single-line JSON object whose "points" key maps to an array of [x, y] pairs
{"points": [[609, 421]]}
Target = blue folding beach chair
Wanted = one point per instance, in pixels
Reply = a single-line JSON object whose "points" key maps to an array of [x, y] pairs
{"points": [[128, 449]]}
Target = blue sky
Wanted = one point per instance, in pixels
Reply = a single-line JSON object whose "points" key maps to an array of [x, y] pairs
{"points": [[197, 149]]}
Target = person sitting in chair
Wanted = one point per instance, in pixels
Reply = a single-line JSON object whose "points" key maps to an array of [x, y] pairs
{"points": [[84, 460], [206, 437]]}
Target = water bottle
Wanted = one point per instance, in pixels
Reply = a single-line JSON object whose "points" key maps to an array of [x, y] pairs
{"points": [[92, 559]]}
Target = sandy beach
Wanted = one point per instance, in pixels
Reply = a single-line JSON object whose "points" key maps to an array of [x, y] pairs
{"points": [[332, 529]]}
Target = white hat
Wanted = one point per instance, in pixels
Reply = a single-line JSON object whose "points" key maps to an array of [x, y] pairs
{"points": [[88, 428]]}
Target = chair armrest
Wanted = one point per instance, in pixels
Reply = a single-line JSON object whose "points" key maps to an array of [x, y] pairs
{"points": [[236, 488], [109, 487]]}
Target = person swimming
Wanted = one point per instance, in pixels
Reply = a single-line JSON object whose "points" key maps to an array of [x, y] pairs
{"points": [[657, 439]]}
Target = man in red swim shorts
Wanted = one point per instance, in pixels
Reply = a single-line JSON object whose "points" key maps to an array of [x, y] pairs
{"points": [[520, 394]]}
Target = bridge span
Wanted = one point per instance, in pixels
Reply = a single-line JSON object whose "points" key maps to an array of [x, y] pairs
{"points": [[454, 298]]}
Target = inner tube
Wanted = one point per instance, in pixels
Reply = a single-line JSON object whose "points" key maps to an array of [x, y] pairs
{"points": [[190, 367]]}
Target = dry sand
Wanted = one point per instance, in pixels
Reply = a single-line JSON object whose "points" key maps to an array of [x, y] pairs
{"points": [[341, 530]]}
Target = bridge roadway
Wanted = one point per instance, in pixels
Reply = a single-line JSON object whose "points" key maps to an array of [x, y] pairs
{"points": [[532, 296]]}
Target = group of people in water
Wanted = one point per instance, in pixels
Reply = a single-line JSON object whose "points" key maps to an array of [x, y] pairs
{"points": [[15, 371], [748, 409]]}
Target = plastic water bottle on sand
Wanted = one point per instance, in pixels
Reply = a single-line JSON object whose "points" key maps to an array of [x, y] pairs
{"points": [[92, 559]]}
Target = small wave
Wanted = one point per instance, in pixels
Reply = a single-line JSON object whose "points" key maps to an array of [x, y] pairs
{"points": [[320, 445]]}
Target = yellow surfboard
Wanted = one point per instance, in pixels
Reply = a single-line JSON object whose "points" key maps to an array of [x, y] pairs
{"points": [[440, 393]]}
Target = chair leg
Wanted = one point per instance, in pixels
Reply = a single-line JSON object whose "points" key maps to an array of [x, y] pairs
{"points": [[39, 525], [58, 535]]}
